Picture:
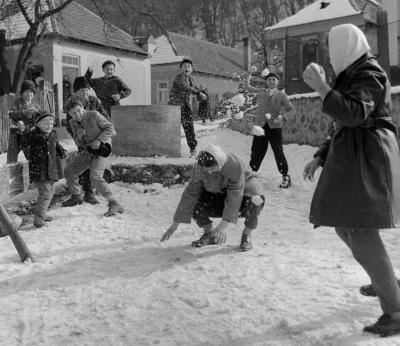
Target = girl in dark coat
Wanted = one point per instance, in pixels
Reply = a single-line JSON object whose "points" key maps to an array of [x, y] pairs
{"points": [[358, 192], [43, 163]]}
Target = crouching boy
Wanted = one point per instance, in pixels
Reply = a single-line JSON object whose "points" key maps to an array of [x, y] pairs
{"points": [[219, 186], [43, 171], [92, 134]]}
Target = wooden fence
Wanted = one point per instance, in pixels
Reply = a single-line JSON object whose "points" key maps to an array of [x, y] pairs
{"points": [[45, 97]]}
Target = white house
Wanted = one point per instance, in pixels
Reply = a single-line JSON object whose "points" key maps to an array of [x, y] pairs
{"points": [[75, 39]]}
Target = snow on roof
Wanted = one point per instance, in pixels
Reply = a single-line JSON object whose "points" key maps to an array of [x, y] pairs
{"points": [[314, 12]]}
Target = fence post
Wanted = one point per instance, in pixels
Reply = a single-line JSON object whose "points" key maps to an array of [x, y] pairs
{"points": [[383, 41]]}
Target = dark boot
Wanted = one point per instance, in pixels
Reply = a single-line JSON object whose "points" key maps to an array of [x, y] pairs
{"points": [[89, 198], [38, 221], [72, 201], [47, 218], [114, 208], [369, 291], [245, 243], [206, 239], [286, 182], [385, 326]]}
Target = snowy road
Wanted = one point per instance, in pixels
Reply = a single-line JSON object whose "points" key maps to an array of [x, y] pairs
{"points": [[100, 281]]}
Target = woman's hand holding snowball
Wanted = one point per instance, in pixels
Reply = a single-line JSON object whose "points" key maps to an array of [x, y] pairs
{"points": [[314, 77]]}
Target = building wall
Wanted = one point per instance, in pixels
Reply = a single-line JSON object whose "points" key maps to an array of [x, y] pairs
{"points": [[167, 73], [133, 69], [393, 10]]}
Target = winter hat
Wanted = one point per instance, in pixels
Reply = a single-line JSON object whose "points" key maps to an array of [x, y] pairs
{"points": [[28, 85], [347, 43], [107, 62], [186, 59], [272, 74], [80, 83], [205, 159], [218, 154], [41, 115]]}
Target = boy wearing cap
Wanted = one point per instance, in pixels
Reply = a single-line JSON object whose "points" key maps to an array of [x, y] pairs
{"points": [[221, 187], [81, 89], [109, 89], [92, 134], [22, 116], [43, 171], [272, 104], [181, 89]]}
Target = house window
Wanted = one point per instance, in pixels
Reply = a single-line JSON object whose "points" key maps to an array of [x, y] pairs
{"points": [[309, 53], [162, 92], [8, 10]]}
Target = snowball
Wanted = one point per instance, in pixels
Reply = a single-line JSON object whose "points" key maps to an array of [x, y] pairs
{"points": [[264, 73], [238, 115], [257, 200], [258, 131], [238, 100], [268, 116]]}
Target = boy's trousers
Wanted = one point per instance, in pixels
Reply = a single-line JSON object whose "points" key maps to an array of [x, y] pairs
{"points": [[212, 205], [80, 163], [259, 149], [368, 250], [15, 145], [187, 124], [46, 192]]}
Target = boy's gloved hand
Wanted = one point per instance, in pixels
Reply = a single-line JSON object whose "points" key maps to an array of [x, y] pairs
{"points": [[95, 144]]}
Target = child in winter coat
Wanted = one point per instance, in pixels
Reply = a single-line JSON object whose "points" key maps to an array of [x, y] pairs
{"points": [[22, 116], [92, 134], [43, 170], [221, 187]]}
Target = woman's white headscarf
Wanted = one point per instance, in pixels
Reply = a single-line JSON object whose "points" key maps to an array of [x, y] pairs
{"points": [[347, 43]]}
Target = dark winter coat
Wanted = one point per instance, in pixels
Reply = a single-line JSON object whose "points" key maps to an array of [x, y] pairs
{"points": [[181, 89], [43, 155], [233, 179], [106, 87], [359, 186]]}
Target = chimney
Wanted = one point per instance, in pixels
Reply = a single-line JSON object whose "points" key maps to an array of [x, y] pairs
{"points": [[246, 54]]}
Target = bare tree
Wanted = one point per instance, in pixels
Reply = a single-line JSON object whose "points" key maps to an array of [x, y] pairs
{"points": [[35, 13]]}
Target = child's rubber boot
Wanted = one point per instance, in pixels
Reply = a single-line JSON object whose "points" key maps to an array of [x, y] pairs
{"points": [[286, 182], [72, 201], [114, 208]]}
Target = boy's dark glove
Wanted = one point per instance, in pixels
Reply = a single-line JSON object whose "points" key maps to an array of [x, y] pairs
{"points": [[61, 152], [103, 150]]}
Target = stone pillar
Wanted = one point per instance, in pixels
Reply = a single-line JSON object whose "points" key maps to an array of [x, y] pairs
{"points": [[149, 130], [383, 41]]}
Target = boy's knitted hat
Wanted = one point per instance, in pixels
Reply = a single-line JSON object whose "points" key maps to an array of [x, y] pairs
{"points": [[72, 102], [205, 159], [80, 83], [28, 85], [41, 115], [186, 59]]}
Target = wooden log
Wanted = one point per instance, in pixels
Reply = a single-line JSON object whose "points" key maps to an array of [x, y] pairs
{"points": [[8, 227]]}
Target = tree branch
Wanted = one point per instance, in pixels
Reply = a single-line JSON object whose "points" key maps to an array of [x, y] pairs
{"points": [[25, 14], [56, 9]]}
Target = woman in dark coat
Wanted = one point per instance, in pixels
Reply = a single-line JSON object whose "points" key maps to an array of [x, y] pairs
{"points": [[358, 192]]}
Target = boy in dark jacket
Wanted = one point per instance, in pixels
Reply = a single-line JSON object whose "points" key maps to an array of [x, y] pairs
{"points": [[221, 187], [43, 163], [22, 116], [109, 89], [181, 90]]}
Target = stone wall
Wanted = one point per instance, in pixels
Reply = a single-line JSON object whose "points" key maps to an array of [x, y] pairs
{"points": [[309, 125]]}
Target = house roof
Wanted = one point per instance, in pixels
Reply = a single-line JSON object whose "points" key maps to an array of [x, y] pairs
{"points": [[335, 9], [77, 23], [207, 57]]}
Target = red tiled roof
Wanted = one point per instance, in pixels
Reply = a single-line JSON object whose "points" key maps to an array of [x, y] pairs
{"points": [[209, 57]]}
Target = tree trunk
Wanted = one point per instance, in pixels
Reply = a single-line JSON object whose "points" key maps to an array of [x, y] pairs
{"points": [[5, 76]]}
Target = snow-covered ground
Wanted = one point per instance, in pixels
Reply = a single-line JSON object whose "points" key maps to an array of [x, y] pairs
{"points": [[109, 281]]}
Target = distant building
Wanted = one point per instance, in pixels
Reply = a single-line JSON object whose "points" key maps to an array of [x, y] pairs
{"points": [[301, 38], [74, 39], [216, 66]]}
